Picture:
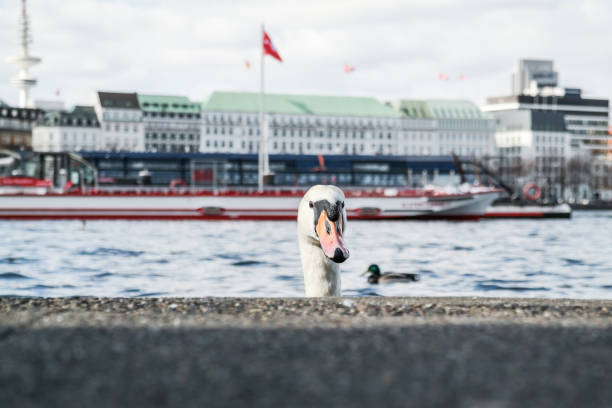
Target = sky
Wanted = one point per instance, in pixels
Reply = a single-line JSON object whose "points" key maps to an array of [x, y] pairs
{"points": [[398, 48]]}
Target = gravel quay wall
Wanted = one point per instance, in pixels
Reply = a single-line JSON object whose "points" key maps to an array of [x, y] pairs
{"points": [[299, 352]]}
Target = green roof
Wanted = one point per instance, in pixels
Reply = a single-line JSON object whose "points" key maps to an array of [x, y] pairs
{"points": [[166, 103], [439, 109], [298, 104]]}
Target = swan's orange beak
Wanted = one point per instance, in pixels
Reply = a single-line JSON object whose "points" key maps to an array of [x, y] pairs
{"points": [[330, 237]]}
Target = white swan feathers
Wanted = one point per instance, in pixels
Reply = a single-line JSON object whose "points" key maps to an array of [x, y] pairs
{"points": [[321, 227]]}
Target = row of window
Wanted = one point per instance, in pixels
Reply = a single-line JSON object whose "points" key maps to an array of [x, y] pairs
{"points": [[117, 127], [587, 122], [549, 139], [161, 147], [25, 114], [75, 122], [475, 137], [17, 124], [550, 150], [74, 137], [14, 139], [284, 132], [466, 124], [301, 121], [132, 115], [171, 115], [172, 136], [314, 147]]}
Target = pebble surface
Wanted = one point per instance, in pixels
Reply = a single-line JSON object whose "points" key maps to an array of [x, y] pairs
{"points": [[300, 312], [367, 351]]}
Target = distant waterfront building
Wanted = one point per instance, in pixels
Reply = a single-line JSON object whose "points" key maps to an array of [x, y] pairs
{"points": [[531, 76], [301, 124], [171, 123], [61, 131], [121, 121], [16, 126], [534, 144], [458, 126], [582, 137], [585, 118]]}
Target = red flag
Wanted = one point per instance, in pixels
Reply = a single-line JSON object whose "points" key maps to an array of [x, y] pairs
{"points": [[443, 77], [348, 69], [268, 47], [462, 77]]}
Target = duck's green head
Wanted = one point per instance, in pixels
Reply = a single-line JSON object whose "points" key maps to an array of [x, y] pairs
{"points": [[374, 269]]}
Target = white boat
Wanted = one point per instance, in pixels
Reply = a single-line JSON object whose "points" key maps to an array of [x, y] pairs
{"points": [[34, 202], [528, 211]]}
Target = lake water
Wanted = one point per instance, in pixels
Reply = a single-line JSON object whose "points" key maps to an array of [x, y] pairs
{"points": [[539, 258]]}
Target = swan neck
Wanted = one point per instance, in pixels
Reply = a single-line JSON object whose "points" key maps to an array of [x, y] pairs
{"points": [[321, 275]]}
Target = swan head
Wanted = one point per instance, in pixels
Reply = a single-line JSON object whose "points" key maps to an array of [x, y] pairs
{"points": [[322, 220]]}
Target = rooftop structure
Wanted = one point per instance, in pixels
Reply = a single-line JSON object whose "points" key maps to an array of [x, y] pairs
{"points": [[118, 100], [169, 104], [248, 102], [24, 81], [78, 116], [439, 109], [532, 76]]}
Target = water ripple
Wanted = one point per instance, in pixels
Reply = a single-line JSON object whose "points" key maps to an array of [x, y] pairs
{"points": [[556, 258], [16, 260], [110, 252], [12, 275]]}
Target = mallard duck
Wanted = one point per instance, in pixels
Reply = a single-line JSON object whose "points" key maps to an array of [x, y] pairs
{"points": [[389, 277], [321, 226]]}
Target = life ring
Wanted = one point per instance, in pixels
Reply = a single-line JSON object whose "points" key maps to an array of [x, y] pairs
{"points": [[177, 183], [532, 191]]}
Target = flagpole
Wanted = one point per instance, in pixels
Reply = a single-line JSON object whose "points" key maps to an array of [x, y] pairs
{"points": [[261, 166]]}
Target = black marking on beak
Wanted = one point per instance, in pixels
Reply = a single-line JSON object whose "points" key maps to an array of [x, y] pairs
{"points": [[338, 256], [334, 211]]}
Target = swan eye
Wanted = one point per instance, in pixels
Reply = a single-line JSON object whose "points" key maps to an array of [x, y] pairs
{"points": [[327, 227], [310, 204]]}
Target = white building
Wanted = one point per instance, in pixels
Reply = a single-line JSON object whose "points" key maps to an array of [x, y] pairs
{"points": [[61, 131], [575, 131], [121, 121], [171, 123], [457, 126], [534, 146], [303, 124]]}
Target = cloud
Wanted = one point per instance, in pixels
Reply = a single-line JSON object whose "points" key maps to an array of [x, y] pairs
{"points": [[398, 48]]}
